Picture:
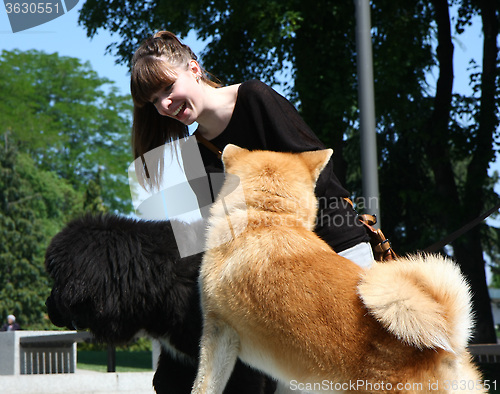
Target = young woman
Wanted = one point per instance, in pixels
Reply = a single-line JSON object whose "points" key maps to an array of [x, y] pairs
{"points": [[171, 91]]}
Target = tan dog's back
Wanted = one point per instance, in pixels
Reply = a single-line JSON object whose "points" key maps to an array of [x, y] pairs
{"points": [[270, 295]]}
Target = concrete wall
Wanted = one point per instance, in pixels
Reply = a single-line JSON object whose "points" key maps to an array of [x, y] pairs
{"points": [[13, 381], [9, 353], [16, 359]]}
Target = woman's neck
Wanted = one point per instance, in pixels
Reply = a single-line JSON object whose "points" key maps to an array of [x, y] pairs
{"points": [[217, 111]]}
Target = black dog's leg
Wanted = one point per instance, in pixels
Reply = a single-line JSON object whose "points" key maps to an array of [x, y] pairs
{"points": [[246, 380], [174, 377]]}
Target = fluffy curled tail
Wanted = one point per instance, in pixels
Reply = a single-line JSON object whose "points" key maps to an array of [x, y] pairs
{"points": [[423, 300]]}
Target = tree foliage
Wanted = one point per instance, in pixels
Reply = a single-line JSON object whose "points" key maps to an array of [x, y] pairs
{"points": [[68, 119], [435, 145], [34, 204], [64, 150]]}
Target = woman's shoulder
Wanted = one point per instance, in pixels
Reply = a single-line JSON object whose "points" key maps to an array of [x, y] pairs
{"points": [[255, 91], [255, 86]]}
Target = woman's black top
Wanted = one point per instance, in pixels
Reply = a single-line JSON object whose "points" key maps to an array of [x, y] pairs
{"points": [[263, 119]]}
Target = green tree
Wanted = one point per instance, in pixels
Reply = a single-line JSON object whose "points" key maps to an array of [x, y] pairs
{"points": [[65, 149], [93, 196], [434, 146], [69, 120], [34, 204]]}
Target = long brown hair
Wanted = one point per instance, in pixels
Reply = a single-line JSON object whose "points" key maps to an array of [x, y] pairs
{"points": [[153, 67]]}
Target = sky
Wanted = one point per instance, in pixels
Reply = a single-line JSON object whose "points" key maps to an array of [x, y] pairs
{"points": [[63, 35]]}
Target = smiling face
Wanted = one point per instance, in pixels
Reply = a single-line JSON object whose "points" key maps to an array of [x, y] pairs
{"points": [[181, 98]]}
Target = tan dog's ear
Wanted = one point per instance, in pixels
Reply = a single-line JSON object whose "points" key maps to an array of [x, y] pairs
{"points": [[230, 152], [316, 160]]}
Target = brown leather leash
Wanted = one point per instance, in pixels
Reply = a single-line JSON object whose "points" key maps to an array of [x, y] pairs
{"points": [[208, 144], [381, 246]]}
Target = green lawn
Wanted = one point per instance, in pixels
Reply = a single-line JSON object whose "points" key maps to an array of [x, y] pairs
{"points": [[126, 361]]}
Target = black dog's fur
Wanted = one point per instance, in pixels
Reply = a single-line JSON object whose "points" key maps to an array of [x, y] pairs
{"points": [[116, 276]]}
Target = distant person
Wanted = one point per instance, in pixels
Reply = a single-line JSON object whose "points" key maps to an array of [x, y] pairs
{"points": [[11, 324]]}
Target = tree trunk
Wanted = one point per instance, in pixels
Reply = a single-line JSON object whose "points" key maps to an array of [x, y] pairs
{"points": [[467, 250], [469, 253], [437, 132]]}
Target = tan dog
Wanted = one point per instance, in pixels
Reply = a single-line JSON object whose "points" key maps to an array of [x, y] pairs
{"points": [[277, 296]]}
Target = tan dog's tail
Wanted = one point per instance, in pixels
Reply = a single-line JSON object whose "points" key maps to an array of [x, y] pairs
{"points": [[423, 300]]}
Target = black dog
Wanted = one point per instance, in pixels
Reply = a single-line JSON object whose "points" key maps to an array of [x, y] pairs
{"points": [[117, 276]]}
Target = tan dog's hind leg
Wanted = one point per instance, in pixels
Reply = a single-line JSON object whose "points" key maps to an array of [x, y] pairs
{"points": [[220, 346]]}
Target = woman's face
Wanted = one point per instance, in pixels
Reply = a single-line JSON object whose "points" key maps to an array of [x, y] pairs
{"points": [[182, 99]]}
